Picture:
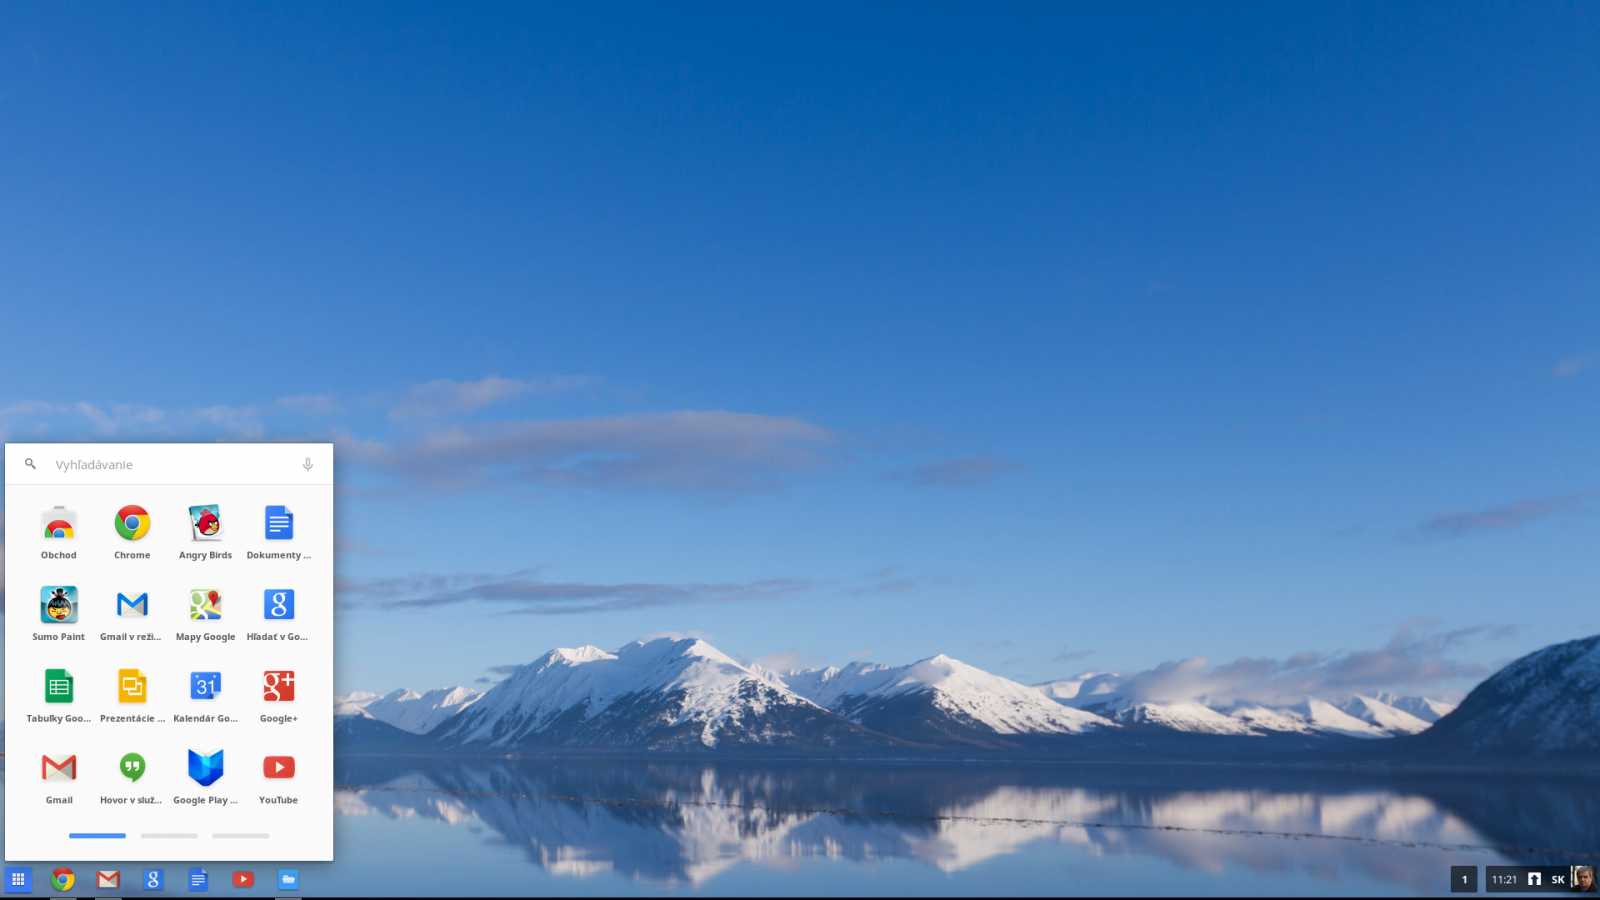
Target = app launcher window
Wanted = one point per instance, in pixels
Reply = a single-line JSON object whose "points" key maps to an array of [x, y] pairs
{"points": [[169, 652]]}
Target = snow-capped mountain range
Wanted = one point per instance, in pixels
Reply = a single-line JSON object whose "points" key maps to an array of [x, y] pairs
{"points": [[686, 695], [1381, 714], [662, 694], [1545, 702], [408, 710], [939, 699]]}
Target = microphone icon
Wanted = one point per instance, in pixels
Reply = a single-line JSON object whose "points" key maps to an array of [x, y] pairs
{"points": [[307, 464]]}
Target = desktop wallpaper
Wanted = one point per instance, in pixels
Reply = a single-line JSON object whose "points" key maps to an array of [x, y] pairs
{"points": [[889, 448]]}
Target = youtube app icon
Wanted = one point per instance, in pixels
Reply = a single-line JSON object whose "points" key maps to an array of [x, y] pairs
{"points": [[278, 767], [244, 879]]}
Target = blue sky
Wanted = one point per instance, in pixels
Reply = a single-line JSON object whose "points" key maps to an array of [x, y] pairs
{"points": [[1048, 338]]}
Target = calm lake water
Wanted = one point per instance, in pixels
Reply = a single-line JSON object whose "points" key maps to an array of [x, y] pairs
{"points": [[415, 827]]}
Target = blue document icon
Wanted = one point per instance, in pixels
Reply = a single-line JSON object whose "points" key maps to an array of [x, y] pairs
{"points": [[280, 523]]}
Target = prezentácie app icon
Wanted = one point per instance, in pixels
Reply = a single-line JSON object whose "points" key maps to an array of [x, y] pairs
{"points": [[58, 604], [133, 522], [132, 686]]}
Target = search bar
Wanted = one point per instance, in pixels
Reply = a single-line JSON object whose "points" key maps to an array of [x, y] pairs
{"points": [[168, 463]]}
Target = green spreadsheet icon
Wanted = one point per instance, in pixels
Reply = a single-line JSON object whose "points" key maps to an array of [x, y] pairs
{"points": [[57, 686]]}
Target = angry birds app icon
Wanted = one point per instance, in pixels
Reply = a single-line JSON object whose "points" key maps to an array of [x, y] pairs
{"points": [[206, 522]]}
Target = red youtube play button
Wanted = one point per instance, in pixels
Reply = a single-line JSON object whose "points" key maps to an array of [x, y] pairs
{"points": [[244, 879], [278, 767]]}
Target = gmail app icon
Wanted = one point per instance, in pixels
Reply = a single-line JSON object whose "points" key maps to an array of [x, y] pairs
{"points": [[133, 607], [108, 878], [59, 769]]}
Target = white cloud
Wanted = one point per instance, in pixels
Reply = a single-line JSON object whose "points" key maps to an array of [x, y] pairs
{"points": [[966, 471], [694, 450], [1573, 366], [64, 420], [1414, 659], [1499, 518], [527, 593], [686, 450], [310, 404], [444, 397]]}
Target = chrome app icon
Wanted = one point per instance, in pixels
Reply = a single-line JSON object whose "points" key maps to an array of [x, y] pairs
{"points": [[133, 522]]}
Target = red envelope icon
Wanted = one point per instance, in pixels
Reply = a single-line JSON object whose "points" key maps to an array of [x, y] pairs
{"points": [[65, 770], [108, 878]]}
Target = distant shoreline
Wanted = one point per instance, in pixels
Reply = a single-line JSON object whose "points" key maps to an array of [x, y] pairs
{"points": [[1582, 770]]}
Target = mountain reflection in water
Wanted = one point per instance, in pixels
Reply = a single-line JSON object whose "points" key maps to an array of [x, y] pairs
{"points": [[436, 827], [686, 824]]}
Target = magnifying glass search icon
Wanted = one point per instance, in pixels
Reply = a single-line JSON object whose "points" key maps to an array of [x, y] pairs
{"points": [[29, 463]]}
